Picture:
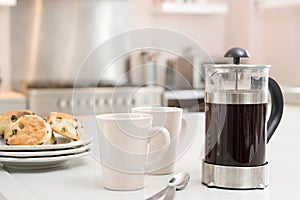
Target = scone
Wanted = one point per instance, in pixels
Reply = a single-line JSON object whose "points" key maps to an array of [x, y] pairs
{"points": [[11, 116], [52, 139], [65, 125], [29, 130]]}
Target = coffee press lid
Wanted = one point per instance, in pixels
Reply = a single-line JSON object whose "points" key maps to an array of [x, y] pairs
{"points": [[236, 83], [237, 53]]}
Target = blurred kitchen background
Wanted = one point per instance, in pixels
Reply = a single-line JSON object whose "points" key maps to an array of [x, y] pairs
{"points": [[43, 43]]}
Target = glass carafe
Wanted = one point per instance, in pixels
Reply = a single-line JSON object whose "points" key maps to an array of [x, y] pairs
{"points": [[236, 125]]}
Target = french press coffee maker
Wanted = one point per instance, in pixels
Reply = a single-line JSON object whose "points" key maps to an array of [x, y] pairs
{"points": [[236, 126]]}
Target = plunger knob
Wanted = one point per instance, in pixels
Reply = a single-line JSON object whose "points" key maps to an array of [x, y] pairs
{"points": [[236, 53]]}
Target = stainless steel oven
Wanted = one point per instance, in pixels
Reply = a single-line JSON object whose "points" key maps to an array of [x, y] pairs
{"points": [[91, 101]]}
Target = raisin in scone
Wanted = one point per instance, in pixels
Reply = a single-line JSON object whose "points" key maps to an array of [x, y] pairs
{"points": [[9, 117], [65, 125], [29, 130]]}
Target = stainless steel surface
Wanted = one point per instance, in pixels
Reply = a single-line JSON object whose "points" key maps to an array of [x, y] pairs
{"points": [[91, 101], [170, 193], [235, 177], [52, 38], [236, 97]]}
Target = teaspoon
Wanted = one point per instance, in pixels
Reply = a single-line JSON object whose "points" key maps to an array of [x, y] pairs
{"points": [[179, 181]]}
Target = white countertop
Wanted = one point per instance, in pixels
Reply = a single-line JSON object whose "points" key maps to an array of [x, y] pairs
{"points": [[82, 178]]}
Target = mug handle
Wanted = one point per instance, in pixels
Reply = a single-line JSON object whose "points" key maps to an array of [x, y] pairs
{"points": [[158, 147], [159, 140], [183, 128], [276, 108]]}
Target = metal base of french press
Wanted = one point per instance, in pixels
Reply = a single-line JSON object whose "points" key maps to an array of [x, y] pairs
{"points": [[235, 177]]}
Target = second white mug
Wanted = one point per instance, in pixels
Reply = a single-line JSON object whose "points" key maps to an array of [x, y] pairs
{"points": [[171, 119]]}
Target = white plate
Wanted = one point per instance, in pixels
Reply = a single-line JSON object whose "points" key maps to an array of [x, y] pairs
{"points": [[61, 143], [54, 152], [39, 162]]}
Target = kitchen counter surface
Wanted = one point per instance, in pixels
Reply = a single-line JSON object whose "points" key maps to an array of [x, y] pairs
{"points": [[11, 94], [291, 95], [10, 100], [82, 178]]}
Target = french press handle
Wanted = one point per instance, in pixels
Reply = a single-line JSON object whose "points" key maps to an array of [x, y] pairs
{"points": [[276, 107], [275, 92]]}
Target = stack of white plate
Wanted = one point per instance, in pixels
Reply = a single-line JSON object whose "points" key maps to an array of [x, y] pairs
{"points": [[42, 156]]}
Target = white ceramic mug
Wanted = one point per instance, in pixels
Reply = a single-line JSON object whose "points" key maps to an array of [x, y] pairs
{"points": [[124, 148], [171, 119]]}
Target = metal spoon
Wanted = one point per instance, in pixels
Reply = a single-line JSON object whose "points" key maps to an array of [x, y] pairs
{"points": [[170, 194], [179, 181]]}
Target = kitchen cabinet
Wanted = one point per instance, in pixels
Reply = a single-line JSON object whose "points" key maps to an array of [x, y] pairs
{"points": [[194, 8], [270, 4], [8, 2]]}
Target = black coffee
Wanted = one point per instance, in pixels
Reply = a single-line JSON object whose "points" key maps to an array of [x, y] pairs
{"points": [[235, 134]]}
